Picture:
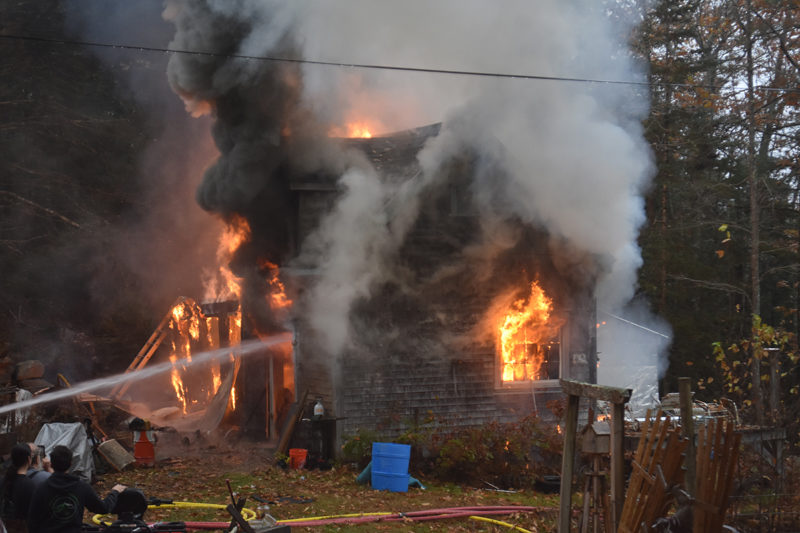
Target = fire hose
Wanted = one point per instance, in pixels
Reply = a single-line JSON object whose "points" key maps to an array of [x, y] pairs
{"points": [[428, 514], [473, 513], [248, 514]]}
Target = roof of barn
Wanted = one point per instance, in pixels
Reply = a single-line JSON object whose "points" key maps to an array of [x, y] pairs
{"points": [[392, 155]]}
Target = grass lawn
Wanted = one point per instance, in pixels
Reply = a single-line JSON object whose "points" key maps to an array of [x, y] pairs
{"points": [[199, 475]]}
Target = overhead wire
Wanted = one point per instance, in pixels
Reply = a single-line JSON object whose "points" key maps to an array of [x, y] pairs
{"points": [[371, 66]]}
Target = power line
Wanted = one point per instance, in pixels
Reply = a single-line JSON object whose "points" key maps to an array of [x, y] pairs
{"points": [[368, 66]]}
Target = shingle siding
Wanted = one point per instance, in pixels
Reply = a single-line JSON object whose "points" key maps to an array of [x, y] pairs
{"points": [[412, 361]]}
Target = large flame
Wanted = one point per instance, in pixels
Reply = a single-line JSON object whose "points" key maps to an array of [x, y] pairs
{"points": [[222, 284], [177, 383], [191, 330], [524, 332]]}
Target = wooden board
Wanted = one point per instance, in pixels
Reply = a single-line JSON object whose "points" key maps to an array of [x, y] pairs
{"points": [[596, 392], [117, 456], [294, 414], [656, 468]]}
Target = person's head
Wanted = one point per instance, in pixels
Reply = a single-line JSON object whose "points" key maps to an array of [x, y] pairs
{"points": [[61, 458], [36, 455], [20, 455]]}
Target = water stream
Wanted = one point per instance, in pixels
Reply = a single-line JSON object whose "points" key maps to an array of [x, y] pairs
{"points": [[243, 349]]}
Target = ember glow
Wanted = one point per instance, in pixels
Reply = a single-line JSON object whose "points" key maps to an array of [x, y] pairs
{"points": [[354, 130], [524, 334]]}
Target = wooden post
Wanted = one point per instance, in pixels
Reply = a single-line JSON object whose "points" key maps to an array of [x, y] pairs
{"points": [[272, 435], [618, 397], [567, 461], [617, 463], [687, 426], [774, 384]]}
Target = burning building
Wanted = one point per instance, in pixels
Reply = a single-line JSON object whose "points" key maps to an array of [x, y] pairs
{"points": [[463, 333], [448, 270]]}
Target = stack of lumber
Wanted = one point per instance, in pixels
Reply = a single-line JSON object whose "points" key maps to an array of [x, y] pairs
{"points": [[657, 466], [717, 453]]}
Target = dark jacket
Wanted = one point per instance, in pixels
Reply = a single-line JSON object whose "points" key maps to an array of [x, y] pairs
{"points": [[21, 492], [16, 497], [57, 506], [16, 500], [37, 476]]}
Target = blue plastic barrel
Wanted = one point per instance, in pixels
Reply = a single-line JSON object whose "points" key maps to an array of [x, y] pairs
{"points": [[390, 466]]}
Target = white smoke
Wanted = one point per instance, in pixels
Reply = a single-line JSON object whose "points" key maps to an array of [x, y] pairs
{"points": [[571, 154], [576, 160]]}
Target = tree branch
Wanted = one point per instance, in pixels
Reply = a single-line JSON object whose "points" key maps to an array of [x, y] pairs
{"points": [[713, 285], [781, 40], [42, 208]]}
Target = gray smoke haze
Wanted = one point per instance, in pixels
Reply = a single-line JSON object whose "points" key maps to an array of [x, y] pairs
{"points": [[571, 156], [169, 239]]}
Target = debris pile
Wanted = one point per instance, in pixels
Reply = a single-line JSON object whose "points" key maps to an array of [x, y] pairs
{"points": [[28, 375]]}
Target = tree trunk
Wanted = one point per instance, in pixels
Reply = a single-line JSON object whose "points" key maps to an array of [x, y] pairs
{"points": [[752, 178]]}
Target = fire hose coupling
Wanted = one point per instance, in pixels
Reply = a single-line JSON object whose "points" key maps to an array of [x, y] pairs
{"points": [[158, 501], [106, 519]]}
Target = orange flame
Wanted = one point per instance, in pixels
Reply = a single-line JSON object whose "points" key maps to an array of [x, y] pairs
{"points": [[177, 383], [216, 379], [523, 332], [277, 291], [191, 329], [359, 129], [223, 284]]}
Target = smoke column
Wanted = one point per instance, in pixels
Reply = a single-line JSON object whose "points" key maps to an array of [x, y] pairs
{"points": [[571, 154]]}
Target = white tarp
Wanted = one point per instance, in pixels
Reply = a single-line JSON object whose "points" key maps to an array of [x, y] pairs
{"points": [[73, 436], [207, 419]]}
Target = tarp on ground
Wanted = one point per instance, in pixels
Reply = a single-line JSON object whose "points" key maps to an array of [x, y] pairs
{"points": [[206, 419], [73, 436]]}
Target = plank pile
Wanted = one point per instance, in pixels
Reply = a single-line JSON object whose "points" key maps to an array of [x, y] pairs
{"points": [[717, 453], [657, 467]]}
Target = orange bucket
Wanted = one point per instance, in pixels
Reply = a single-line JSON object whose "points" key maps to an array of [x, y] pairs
{"points": [[143, 450], [297, 458]]}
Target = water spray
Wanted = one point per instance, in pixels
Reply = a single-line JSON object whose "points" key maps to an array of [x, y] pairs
{"points": [[243, 349]]}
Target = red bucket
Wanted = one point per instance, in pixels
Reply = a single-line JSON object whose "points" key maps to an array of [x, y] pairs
{"points": [[297, 458]]}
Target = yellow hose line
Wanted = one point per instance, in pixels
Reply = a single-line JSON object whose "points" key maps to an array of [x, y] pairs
{"points": [[353, 515], [247, 514], [499, 523]]}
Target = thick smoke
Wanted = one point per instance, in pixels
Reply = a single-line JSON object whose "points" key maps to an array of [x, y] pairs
{"points": [[168, 239], [567, 156]]}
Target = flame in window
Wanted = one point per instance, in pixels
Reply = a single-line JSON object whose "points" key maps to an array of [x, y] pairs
{"points": [[525, 333]]}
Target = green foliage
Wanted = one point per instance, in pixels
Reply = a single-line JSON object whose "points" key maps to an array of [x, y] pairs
{"points": [[507, 455], [734, 362], [358, 448], [769, 344], [513, 454]]}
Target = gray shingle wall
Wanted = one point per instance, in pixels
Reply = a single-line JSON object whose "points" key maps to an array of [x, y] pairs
{"points": [[393, 396]]}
